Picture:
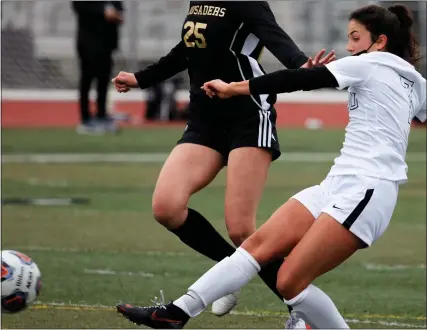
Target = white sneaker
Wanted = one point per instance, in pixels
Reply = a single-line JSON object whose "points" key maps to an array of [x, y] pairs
{"points": [[225, 304], [296, 323]]}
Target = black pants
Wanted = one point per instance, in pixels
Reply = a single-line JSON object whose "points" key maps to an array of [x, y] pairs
{"points": [[98, 66]]}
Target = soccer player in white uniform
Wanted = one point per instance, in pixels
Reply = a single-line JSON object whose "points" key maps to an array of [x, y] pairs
{"points": [[322, 226]]}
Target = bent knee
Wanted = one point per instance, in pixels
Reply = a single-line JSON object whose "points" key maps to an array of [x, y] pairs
{"points": [[290, 285], [238, 234], [169, 212]]}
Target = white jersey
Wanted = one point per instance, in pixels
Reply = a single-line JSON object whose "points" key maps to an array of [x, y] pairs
{"points": [[385, 94]]}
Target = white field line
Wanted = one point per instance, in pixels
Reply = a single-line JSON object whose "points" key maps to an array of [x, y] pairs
{"points": [[110, 272], [350, 318], [374, 267], [393, 268], [35, 248], [76, 250], [322, 157]]}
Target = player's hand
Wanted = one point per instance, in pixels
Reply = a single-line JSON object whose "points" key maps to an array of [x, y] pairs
{"points": [[110, 14], [319, 60], [124, 82], [217, 88]]}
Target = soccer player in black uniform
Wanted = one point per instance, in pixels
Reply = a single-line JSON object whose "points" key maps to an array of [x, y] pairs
{"points": [[98, 24], [221, 40]]}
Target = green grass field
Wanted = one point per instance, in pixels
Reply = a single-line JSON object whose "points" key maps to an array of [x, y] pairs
{"points": [[92, 256]]}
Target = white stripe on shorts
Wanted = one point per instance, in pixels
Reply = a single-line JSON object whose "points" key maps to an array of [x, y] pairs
{"points": [[265, 129]]}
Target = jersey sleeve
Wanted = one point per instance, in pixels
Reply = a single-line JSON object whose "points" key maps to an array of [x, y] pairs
{"points": [[262, 23], [350, 70], [166, 67], [422, 113], [292, 80]]}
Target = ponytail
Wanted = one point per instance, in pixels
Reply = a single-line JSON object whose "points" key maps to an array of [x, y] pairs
{"points": [[407, 43]]}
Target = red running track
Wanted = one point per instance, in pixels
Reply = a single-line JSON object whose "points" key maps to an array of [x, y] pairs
{"points": [[65, 113]]}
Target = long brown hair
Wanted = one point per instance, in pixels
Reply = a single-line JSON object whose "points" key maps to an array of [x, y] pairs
{"points": [[396, 23]]}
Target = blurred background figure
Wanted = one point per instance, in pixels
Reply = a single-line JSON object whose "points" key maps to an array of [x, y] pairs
{"points": [[98, 25], [162, 101]]}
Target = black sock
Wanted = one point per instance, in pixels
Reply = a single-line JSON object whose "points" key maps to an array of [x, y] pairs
{"points": [[269, 275], [177, 313], [201, 236]]}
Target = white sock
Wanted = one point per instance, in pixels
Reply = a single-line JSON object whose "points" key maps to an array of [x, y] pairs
{"points": [[227, 276], [317, 309]]}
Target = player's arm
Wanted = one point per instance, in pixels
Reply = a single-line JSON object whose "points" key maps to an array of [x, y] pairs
{"points": [[166, 67], [343, 73], [259, 17], [346, 72], [285, 81]]}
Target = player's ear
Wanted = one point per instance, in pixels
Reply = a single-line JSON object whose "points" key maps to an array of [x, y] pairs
{"points": [[381, 42]]}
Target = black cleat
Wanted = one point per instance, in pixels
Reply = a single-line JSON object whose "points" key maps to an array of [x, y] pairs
{"points": [[157, 317]]}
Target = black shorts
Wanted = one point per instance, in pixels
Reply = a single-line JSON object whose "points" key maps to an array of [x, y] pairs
{"points": [[224, 125]]}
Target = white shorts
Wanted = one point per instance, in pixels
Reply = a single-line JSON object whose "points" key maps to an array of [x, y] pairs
{"points": [[363, 205]]}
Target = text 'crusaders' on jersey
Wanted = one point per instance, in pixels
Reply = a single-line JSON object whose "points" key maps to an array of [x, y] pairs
{"points": [[224, 40]]}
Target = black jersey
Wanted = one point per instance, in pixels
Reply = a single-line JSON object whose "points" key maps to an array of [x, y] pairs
{"points": [[224, 40]]}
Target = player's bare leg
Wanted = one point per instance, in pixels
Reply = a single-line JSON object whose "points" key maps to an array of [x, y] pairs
{"points": [[272, 240], [244, 191], [189, 168], [245, 185], [325, 246], [247, 171]]}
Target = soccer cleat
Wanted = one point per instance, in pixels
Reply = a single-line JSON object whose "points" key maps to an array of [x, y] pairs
{"points": [[157, 317], [296, 323], [225, 304]]}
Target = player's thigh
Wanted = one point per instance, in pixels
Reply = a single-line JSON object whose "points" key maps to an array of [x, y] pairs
{"points": [[195, 161], [247, 170], [280, 234], [357, 213], [253, 146], [325, 246], [189, 168]]}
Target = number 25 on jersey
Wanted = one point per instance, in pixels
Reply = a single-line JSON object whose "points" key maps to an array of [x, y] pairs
{"points": [[195, 29]]}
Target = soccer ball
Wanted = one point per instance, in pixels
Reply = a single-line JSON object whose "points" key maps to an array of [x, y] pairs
{"points": [[20, 281]]}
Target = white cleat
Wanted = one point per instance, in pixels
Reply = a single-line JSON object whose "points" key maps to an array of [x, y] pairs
{"points": [[296, 323], [225, 304]]}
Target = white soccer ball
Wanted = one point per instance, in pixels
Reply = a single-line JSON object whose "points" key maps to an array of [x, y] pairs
{"points": [[20, 281]]}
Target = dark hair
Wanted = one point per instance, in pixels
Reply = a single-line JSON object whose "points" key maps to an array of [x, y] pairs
{"points": [[394, 22]]}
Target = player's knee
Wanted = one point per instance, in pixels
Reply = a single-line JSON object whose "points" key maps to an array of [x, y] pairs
{"points": [[289, 285], [254, 244], [241, 223], [238, 234], [168, 211]]}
